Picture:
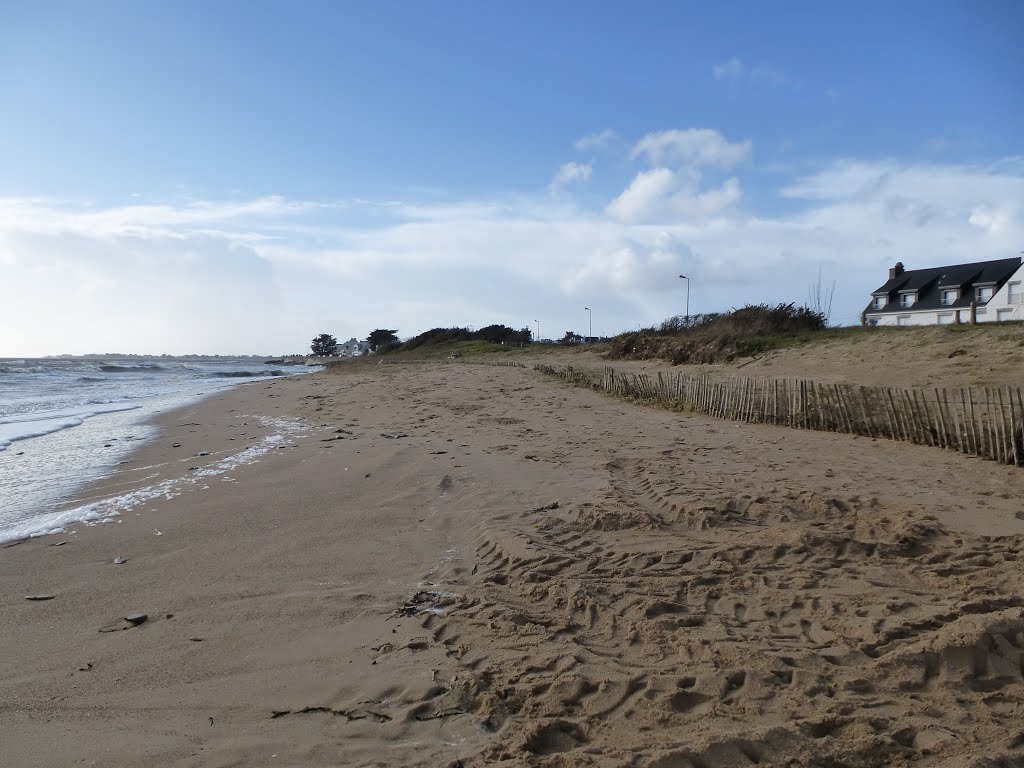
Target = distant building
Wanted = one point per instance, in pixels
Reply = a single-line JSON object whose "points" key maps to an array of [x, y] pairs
{"points": [[354, 348], [983, 292]]}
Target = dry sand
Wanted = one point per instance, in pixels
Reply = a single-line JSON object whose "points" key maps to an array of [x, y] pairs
{"points": [[956, 356], [704, 593]]}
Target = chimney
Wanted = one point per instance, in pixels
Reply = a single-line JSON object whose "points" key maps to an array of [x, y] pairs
{"points": [[896, 271]]}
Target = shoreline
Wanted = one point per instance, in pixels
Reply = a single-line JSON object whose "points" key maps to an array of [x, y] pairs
{"points": [[477, 564], [101, 491]]}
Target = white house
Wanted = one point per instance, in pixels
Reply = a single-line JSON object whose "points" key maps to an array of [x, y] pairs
{"points": [[354, 348], [983, 292]]}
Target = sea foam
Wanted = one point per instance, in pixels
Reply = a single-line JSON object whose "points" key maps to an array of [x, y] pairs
{"points": [[106, 510]]}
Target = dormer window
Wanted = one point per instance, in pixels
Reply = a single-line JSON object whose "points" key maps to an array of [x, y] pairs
{"points": [[984, 292], [908, 299], [949, 296], [879, 302]]}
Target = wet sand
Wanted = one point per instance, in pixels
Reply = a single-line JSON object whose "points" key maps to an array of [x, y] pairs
{"points": [[530, 574]]}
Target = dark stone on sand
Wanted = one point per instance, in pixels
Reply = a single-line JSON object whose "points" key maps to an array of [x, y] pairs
{"points": [[39, 598], [136, 618], [393, 435], [203, 453]]}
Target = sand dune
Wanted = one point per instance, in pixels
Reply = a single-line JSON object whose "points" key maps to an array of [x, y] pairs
{"points": [[462, 564]]}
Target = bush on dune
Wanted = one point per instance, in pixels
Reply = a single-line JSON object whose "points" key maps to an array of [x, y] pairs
{"points": [[719, 336]]}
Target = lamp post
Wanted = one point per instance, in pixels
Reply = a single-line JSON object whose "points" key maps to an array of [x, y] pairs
{"points": [[590, 312], [538, 330], [684, 277]]}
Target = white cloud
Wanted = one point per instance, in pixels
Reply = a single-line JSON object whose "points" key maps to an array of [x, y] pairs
{"points": [[267, 274], [664, 196], [995, 219], [644, 196], [595, 142], [730, 71], [572, 172], [633, 268], [695, 146]]}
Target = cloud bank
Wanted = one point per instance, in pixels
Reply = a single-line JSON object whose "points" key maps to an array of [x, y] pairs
{"points": [[264, 275]]}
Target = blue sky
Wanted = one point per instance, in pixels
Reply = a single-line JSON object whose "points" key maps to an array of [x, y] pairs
{"points": [[238, 177]]}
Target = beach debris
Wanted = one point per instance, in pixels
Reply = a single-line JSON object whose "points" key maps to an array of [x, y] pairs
{"points": [[176, 445], [39, 598], [438, 453], [125, 622], [58, 544], [119, 560], [349, 715], [157, 533], [546, 507], [425, 601], [393, 435], [197, 639], [86, 668], [203, 453]]}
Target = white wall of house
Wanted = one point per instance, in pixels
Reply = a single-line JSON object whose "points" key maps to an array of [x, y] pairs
{"points": [[1006, 304]]}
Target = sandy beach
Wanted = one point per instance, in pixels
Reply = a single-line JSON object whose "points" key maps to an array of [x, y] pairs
{"points": [[455, 564]]}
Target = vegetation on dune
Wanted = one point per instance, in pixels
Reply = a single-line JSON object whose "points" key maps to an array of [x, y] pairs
{"points": [[720, 336], [491, 334]]}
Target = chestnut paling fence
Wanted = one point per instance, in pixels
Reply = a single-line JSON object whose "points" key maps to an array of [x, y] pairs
{"points": [[980, 421]]}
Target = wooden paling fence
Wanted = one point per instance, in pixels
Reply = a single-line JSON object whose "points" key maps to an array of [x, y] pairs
{"points": [[980, 421]]}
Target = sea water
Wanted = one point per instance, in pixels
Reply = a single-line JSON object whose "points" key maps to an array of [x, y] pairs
{"points": [[66, 422]]}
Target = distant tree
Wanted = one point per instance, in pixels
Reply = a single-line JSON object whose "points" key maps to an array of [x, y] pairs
{"points": [[496, 334], [324, 345], [570, 338], [382, 338], [520, 338]]}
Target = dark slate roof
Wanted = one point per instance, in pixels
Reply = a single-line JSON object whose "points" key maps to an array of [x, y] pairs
{"points": [[927, 284]]}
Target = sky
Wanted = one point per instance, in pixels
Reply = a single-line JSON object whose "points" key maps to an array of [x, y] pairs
{"points": [[239, 177]]}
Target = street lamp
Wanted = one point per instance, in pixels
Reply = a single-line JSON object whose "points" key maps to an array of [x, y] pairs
{"points": [[538, 330], [591, 313], [684, 277]]}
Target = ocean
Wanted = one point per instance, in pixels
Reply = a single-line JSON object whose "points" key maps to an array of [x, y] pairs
{"points": [[67, 422]]}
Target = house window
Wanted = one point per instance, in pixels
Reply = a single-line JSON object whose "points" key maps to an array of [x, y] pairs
{"points": [[907, 299], [984, 293], [950, 296], [903, 320], [1015, 295], [879, 302]]}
